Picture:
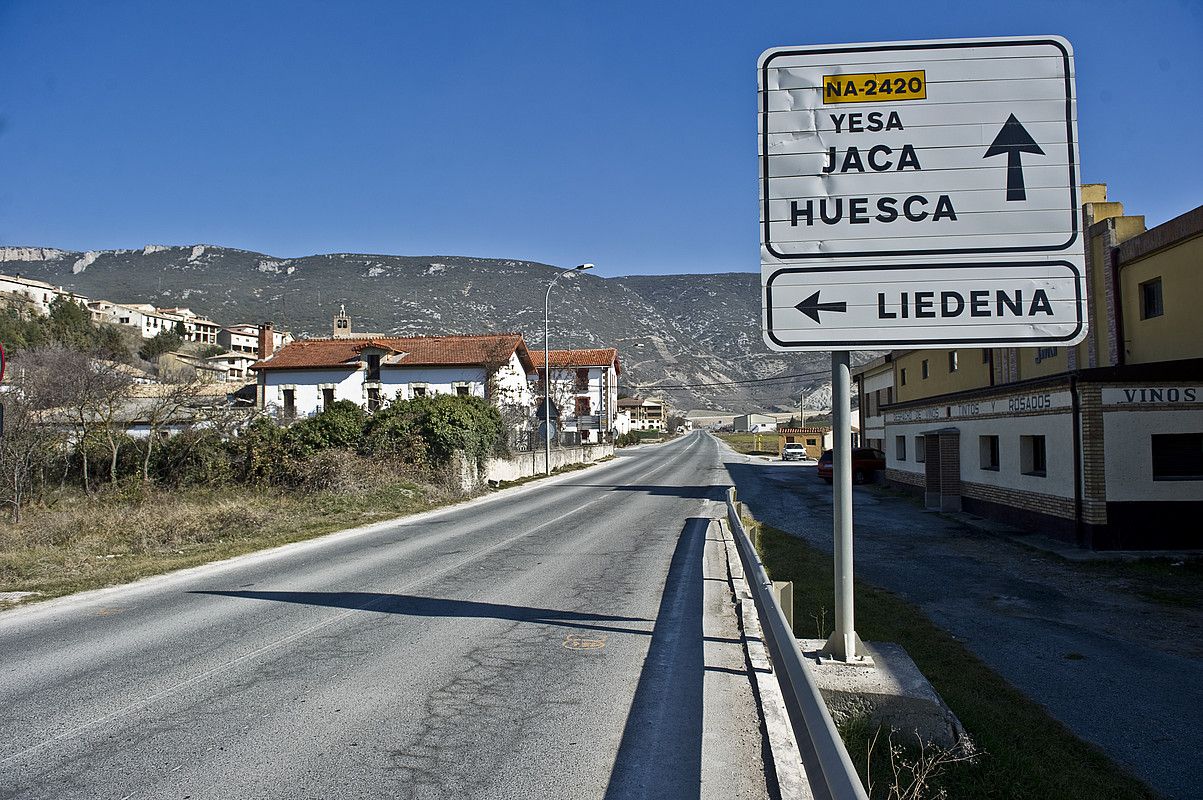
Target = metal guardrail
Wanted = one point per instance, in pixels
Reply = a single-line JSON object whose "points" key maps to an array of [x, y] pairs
{"points": [[829, 768]]}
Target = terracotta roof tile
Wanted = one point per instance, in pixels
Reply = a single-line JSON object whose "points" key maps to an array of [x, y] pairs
{"points": [[414, 350], [602, 356]]}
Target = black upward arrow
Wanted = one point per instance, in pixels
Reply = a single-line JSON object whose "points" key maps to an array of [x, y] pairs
{"points": [[811, 307], [1014, 139]]}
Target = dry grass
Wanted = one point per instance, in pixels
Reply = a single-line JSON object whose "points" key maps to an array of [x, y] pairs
{"points": [[1025, 752], [751, 443], [73, 542]]}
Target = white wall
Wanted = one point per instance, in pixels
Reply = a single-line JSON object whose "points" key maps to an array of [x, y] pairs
{"points": [[395, 383], [1129, 454], [564, 392], [40, 296], [1056, 428], [308, 383]]}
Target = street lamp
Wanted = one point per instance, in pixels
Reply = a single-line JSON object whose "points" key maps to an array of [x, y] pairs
{"points": [[547, 366]]}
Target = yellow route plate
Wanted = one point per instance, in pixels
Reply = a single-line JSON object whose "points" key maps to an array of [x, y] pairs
{"points": [[875, 87]]}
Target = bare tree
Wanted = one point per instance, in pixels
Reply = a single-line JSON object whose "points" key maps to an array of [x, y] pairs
{"points": [[163, 403], [25, 448], [509, 397], [81, 392], [110, 400]]}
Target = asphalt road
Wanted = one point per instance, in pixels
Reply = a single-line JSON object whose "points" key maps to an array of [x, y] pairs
{"points": [[562, 641], [1122, 673]]}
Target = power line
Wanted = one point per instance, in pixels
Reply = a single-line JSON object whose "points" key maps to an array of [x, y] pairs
{"points": [[712, 384]]}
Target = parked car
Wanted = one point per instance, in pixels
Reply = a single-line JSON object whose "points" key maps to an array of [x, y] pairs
{"points": [[866, 462], [793, 452]]}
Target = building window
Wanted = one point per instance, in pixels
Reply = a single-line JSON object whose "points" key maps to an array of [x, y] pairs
{"points": [[1177, 456], [419, 391], [920, 450], [462, 391], [582, 380], [952, 360], [290, 403], [902, 377], [1150, 299], [924, 369], [812, 442], [327, 399], [988, 449], [582, 406], [1032, 456], [889, 395], [900, 448], [373, 362], [373, 399]]}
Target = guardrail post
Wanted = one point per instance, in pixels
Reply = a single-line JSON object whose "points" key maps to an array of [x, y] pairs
{"points": [[784, 592]]}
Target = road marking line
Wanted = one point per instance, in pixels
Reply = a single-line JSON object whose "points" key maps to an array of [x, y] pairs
{"points": [[220, 668]]}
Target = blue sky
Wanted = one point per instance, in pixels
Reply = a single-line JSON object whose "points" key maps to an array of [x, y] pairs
{"points": [[622, 133]]}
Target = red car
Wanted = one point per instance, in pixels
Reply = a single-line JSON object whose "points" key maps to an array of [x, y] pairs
{"points": [[866, 462]]}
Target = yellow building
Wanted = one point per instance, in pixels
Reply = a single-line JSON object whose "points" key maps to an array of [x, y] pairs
{"points": [[813, 439], [1088, 442]]}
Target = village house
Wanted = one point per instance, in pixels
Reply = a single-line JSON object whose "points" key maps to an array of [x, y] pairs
{"points": [[646, 415], [246, 338], [145, 318], [584, 390], [196, 328], [1100, 443], [308, 375], [38, 294]]}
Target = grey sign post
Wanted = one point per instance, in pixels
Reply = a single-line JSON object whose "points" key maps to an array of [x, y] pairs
{"points": [[920, 195]]}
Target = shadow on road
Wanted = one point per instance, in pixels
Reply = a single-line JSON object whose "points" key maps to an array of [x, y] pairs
{"points": [[661, 751], [707, 492], [414, 606]]}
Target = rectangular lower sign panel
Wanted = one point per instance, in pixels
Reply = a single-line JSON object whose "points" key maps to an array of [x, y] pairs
{"points": [[936, 305]]}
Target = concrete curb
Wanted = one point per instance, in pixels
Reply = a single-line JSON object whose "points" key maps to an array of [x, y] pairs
{"points": [[20, 613], [783, 747]]}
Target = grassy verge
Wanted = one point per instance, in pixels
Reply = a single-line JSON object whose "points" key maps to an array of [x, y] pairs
{"points": [[1026, 753], [75, 542], [1167, 582], [752, 444]]}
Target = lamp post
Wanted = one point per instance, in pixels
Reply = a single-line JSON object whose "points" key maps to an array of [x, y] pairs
{"points": [[547, 366]]}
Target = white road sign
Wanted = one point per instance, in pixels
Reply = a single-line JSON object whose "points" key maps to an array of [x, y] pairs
{"points": [[893, 170]]}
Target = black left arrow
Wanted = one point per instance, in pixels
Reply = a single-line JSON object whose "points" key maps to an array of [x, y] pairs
{"points": [[811, 307], [1014, 139]]}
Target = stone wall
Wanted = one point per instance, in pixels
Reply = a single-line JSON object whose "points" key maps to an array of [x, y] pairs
{"points": [[524, 465]]}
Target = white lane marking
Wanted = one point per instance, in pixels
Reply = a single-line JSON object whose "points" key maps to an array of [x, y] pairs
{"points": [[267, 648]]}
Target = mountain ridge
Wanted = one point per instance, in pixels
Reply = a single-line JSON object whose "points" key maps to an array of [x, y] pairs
{"points": [[696, 333]]}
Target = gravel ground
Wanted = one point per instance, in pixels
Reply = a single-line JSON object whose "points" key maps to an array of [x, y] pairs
{"points": [[1121, 672]]}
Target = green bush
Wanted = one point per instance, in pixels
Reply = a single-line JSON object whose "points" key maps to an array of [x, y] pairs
{"points": [[428, 430], [165, 341], [193, 458], [341, 425], [68, 324]]}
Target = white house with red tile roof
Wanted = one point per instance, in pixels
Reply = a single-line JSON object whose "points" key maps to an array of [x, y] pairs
{"points": [[584, 389], [305, 376]]}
